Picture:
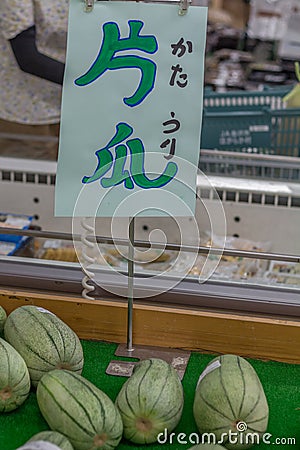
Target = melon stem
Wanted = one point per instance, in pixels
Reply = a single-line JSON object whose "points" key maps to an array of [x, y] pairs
{"points": [[100, 440], [143, 424], [236, 423], [5, 393], [63, 366]]}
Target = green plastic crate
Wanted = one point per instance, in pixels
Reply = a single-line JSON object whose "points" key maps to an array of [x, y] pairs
{"points": [[252, 122]]}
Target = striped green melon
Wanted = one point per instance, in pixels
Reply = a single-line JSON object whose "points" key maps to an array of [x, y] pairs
{"points": [[230, 402], [54, 438], [150, 401], [2, 318], [14, 378], [43, 340], [39, 445], [79, 410]]}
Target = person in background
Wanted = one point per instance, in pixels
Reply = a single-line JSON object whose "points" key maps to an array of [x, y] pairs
{"points": [[33, 36]]}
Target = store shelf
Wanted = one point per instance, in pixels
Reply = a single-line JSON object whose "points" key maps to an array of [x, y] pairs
{"points": [[255, 336]]}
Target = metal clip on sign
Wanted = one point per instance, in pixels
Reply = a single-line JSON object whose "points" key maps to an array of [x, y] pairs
{"points": [[89, 5], [183, 7]]}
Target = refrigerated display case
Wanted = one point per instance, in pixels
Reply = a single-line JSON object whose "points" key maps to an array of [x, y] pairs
{"points": [[249, 306]]}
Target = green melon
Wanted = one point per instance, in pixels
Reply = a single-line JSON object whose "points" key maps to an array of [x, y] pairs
{"points": [[54, 438], [79, 410], [2, 319], [43, 340], [230, 402], [150, 401], [39, 445], [14, 378]]}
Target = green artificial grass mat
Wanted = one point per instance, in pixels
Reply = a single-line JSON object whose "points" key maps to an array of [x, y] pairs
{"points": [[281, 383]]}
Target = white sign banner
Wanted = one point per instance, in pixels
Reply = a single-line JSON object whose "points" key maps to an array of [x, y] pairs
{"points": [[131, 110]]}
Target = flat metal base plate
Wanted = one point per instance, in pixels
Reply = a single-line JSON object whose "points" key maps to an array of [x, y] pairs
{"points": [[177, 358]]}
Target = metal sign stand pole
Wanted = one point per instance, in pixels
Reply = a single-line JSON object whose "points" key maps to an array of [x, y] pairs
{"points": [[177, 358], [130, 264]]}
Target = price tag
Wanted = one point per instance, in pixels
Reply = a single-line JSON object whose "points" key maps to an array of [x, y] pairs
{"points": [[214, 365]]}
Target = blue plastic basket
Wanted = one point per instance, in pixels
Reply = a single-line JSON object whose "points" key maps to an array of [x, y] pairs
{"points": [[253, 122]]}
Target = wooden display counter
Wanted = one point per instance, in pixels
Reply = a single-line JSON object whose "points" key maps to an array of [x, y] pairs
{"points": [[255, 336]]}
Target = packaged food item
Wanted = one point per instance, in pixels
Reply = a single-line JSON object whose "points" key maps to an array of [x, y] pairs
{"points": [[7, 248], [13, 248], [57, 250], [268, 19], [282, 279], [232, 267], [283, 273], [17, 221], [144, 259], [104, 255], [289, 45], [284, 268]]}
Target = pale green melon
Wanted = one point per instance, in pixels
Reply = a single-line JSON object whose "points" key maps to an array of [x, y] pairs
{"points": [[2, 318], [14, 378], [76, 408], [230, 399], [150, 401], [39, 445], [54, 438], [43, 340]]}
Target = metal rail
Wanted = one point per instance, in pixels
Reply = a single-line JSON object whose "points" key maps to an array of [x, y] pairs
{"points": [[157, 245], [252, 165], [253, 156], [28, 137], [231, 296]]}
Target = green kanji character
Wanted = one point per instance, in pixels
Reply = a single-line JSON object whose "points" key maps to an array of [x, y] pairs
{"points": [[106, 59], [120, 175]]}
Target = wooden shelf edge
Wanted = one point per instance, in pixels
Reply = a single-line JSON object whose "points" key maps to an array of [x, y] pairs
{"points": [[165, 326]]}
